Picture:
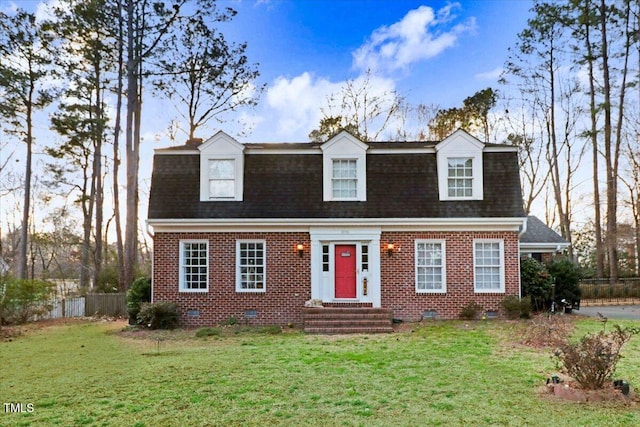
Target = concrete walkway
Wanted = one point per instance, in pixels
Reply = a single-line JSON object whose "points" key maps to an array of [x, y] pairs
{"points": [[625, 312]]}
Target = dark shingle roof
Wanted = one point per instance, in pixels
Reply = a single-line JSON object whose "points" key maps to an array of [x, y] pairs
{"points": [[402, 185], [538, 232]]}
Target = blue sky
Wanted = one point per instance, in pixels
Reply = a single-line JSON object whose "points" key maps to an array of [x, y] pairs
{"points": [[444, 51], [438, 53], [432, 52]]}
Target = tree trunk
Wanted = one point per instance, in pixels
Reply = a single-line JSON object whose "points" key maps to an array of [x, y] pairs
{"points": [[600, 255], [612, 229], [132, 155], [24, 232], [97, 176], [122, 284]]}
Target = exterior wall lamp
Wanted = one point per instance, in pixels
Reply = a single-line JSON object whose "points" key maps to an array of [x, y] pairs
{"points": [[390, 249], [300, 249]]}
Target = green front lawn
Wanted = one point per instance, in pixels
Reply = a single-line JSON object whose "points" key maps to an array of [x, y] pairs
{"points": [[443, 373]]}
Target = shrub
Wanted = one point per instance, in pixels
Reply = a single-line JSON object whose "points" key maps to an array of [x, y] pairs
{"points": [[471, 311], [159, 315], [566, 276], [536, 282], [139, 292], [515, 307], [21, 300], [592, 361]]}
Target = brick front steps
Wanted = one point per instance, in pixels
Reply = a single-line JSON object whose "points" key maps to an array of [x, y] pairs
{"points": [[347, 320]]}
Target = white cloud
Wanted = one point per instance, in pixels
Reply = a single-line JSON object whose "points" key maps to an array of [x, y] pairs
{"points": [[490, 75], [297, 103], [422, 34]]}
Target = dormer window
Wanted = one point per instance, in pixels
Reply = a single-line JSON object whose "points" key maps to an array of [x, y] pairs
{"points": [[344, 180], [222, 179], [344, 165], [460, 167], [460, 177], [221, 169]]}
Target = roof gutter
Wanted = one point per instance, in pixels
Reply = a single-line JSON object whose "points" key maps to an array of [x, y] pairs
{"points": [[524, 227]]}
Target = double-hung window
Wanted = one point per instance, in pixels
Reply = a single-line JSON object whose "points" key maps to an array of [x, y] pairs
{"points": [[222, 179], [194, 266], [430, 266], [460, 177], [488, 260], [344, 179], [250, 266]]}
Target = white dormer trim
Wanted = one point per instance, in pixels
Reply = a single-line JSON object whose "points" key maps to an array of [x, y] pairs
{"points": [[460, 145], [221, 147], [344, 146]]}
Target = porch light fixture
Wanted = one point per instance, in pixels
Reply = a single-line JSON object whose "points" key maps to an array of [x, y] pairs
{"points": [[390, 249], [300, 249]]}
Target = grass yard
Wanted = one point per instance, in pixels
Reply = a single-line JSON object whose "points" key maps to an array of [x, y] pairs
{"points": [[441, 374]]}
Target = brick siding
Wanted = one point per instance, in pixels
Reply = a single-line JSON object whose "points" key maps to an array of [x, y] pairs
{"points": [[398, 275], [288, 277]]}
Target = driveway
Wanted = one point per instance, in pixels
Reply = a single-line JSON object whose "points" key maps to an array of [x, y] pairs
{"points": [[627, 312]]}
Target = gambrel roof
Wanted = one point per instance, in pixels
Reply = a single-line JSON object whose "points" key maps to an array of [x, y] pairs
{"points": [[286, 181]]}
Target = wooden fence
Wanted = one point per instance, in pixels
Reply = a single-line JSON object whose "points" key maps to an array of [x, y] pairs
{"points": [[89, 305], [106, 304], [600, 291]]}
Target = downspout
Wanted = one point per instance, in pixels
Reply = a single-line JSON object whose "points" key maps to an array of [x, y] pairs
{"points": [[150, 233], [523, 230]]}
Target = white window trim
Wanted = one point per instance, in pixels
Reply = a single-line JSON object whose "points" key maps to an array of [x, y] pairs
{"points": [[238, 166], [463, 178], [460, 145], [327, 172], [344, 146], [264, 265], [443, 290], [501, 290], [476, 177], [221, 147], [181, 279]]}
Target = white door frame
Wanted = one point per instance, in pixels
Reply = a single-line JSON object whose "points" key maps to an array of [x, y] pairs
{"points": [[324, 289]]}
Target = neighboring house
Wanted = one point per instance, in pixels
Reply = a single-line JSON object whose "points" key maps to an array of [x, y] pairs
{"points": [[541, 242], [253, 231]]}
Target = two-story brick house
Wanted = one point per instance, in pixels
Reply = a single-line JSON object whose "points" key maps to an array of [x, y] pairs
{"points": [[253, 231]]}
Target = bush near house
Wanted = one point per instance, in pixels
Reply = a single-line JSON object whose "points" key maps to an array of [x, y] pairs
{"points": [[515, 308], [159, 315], [536, 282], [22, 299], [139, 292], [566, 276]]}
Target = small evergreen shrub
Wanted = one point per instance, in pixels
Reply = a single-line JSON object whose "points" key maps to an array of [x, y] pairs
{"points": [[526, 308], [22, 299], [511, 306], [536, 282], [471, 311], [139, 292], [592, 361], [566, 276], [159, 315], [515, 307]]}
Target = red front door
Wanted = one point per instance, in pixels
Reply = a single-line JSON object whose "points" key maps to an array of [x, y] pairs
{"points": [[345, 256]]}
